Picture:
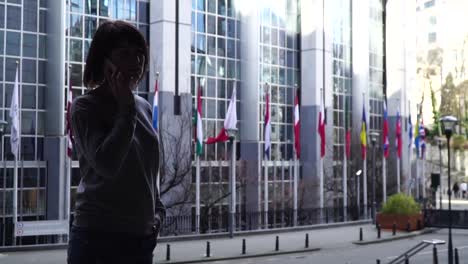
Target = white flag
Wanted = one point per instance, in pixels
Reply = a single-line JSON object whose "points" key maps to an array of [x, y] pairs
{"points": [[231, 117], [14, 115]]}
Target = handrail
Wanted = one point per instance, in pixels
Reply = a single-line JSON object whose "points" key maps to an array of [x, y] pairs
{"points": [[416, 249]]}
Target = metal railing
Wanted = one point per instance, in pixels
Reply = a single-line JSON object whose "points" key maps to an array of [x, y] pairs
{"points": [[415, 250], [440, 218]]}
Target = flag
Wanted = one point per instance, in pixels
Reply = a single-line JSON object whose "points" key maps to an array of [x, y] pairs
{"points": [[230, 122], [297, 125], [385, 130], [155, 105], [321, 129], [15, 118], [416, 137], [267, 132], [398, 141], [422, 138], [69, 130], [199, 131], [410, 131], [363, 133], [348, 131]]}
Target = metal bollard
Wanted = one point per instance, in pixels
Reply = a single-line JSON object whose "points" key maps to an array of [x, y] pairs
{"points": [[408, 227], [378, 231], [406, 259], [277, 244], [243, 246], [326, 215], [378, 261], [394, 229], [435, 257], [168, 252], [360, 234], [208, 249], [457, 258], [307, 241]]}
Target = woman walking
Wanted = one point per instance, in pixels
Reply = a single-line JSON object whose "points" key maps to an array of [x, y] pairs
{"points": [[118, 211]]}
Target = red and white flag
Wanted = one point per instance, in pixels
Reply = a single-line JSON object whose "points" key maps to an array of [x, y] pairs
{"points": [[267, 130], [321, 129], [297, 126], [230, 122]]}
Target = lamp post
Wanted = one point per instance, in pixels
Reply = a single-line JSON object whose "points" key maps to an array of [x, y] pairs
{"points": [[448, 123], [232, 171], [374, 136]]}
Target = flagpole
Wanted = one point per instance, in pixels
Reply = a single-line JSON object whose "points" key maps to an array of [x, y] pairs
{"points": [[16, 93], [295, 189], [398, 175], [423, 178], [384, 179], [197, 193], [321, 164], [158, 177], [266, 159], [345, 167], [364, 174], [410, 150]]}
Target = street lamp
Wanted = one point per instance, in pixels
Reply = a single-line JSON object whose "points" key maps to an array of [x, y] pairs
{"points": [[374, 136], [448, 123], [232, 217]]}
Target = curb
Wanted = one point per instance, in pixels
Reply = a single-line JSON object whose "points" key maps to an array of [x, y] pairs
{"points": [[269, 254], [260, 231], [388, 239]]}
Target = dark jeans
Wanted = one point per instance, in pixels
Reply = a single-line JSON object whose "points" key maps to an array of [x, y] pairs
{"points": [[99, 247]]}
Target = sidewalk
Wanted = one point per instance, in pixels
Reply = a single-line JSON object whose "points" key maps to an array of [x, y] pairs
{"points": [[194, 251]]}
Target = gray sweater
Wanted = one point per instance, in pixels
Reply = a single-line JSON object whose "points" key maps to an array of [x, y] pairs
{"points": [[118, 151]]}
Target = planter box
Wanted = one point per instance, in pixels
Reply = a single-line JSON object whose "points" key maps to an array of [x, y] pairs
{"points": [[386, 221]]}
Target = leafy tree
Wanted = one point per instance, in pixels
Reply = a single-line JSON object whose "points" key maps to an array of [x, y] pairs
{"points": [[435, 115], [449, 104]]}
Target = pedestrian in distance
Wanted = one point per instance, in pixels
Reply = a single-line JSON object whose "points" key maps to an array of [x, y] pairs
{"points": [[118, 211], [455, 189], [464, 189]]}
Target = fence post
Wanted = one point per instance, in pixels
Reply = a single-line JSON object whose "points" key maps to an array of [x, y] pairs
{"points": [[326, 215], [277, 244], [360, 234], [378, 261], [406, 259], [435, 257], [243, 246], [378, 231], [307, 241], [168, 252], [208, 249], [457, 259], [394, 229]]}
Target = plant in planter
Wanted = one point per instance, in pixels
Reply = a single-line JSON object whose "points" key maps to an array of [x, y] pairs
{"points": [[400, 209]]}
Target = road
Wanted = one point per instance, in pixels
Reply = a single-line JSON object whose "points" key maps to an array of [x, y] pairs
{"points": [[354, 254]]}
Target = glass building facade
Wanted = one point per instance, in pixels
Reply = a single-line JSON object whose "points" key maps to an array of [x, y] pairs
{"points": [[215, 63]]}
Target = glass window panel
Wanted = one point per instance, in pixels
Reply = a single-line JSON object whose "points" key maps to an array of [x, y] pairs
{"points": [[91, 7], [221, 47], [28, 99], [76, 74], [231, 69], [42, 21], [221, 89], [77, 6], [30, 16], [1, 79], [2, 16], [90, 26], [40, 98], [212, 6], [28, 122], [29, 45], [200, 5], [210, 108], [13, 17], [201, 44], [42, 47], [76, 25], [76, 52], [10, 71], [2, 37], [221, 108], [222, 7], [86, 48], [211, 88], [201, 22], [143, 12], [211, 24], [231, 24], [221, 68], [222, 26], [211, 65], [201, 65], [13, 43], [230, 8], [212, 45], [231, 48], [104, 7], [29, 71], [42, 72]]}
